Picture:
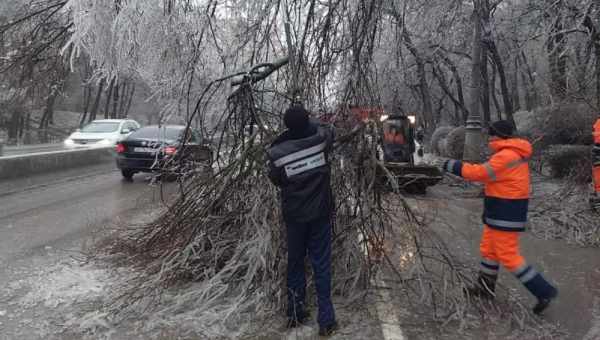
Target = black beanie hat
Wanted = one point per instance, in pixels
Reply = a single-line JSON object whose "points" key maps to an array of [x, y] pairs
{"points": [[296, 118], [502, 129]]}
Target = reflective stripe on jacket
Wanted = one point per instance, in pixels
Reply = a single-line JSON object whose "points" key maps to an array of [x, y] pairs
{"points": [[300, 167], [506, 179]]}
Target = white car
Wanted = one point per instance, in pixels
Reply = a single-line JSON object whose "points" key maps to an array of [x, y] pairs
{"points": [[102, 133]]}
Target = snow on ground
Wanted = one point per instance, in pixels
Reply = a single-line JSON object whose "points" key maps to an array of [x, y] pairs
{"points": [[56, 295], [43, 301], [65, 301], [64, 283]]}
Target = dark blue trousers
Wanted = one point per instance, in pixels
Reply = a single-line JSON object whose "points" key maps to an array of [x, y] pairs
{"points": [[314, 236]]}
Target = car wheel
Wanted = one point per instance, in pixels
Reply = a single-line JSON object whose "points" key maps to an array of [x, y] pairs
{"points": [[127, 174]]}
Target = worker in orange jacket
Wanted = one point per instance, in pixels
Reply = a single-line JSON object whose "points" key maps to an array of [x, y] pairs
{"points": [[506, 179], [596, 162]]}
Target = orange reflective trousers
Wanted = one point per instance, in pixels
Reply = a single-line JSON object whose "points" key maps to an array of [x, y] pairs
{"points": [[500, 247]]}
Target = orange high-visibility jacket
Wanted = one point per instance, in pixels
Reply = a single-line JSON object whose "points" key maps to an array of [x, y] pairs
{"points": [[506, 179], [596, 157], [394, 138]]}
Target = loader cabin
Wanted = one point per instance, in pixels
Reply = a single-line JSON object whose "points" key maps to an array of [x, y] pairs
{"points": [[398, 138]]}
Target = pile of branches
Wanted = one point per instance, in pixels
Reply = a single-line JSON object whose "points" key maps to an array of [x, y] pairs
{"points": [[564, 213], [570, 161], [217, 254], [224, 232]]}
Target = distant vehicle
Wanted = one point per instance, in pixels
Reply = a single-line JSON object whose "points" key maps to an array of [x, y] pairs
{"points": [[161, 149], [101, 133]]}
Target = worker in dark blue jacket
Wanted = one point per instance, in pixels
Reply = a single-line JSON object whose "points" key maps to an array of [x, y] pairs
{"points": [[299, 166]]}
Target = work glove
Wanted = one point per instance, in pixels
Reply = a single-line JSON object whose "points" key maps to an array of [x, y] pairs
{"points": [[445, 165], [440, 164]]}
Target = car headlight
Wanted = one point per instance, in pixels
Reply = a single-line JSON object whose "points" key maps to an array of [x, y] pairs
{"points": [[69, 142]]}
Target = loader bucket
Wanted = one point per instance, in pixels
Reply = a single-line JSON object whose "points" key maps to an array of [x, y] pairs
{"points": [[410, 178]]}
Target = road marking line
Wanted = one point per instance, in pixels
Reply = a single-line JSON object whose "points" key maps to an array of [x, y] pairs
{"points": [[387, 315]]}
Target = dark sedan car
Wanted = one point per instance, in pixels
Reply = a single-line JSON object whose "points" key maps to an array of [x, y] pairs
{"points": [[161, 149]]}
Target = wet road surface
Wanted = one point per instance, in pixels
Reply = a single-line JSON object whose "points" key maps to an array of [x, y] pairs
{"points": [[43, 210]]}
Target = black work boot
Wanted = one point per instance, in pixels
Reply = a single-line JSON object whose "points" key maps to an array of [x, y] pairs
{"points": [[543, 303], [540, 288], [545, 295], [328, 330], [293, 322], [485, 286]]}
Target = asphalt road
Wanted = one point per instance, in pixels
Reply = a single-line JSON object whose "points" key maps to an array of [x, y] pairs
{"points": [[48, 219], [44, 210]]}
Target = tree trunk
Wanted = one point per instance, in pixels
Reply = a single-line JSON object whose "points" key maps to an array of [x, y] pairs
{"points": [[425, 95], [473, 137], [459, 107], [131, 94], [557, 58], [515, 87], [27, 126], [422, 75], [461, 97], [21, 127], [457, 117], [49, 108], [94, 110], [485, 88], [123, 99], [506, 95], [494, 96], [596, 42], [87, 97], [597, 70], [440, 111], [48, 113], [528, 96], [533, 101], [115, 113], [108, 97], [594, 31], [460, 100], [13, 126]]}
